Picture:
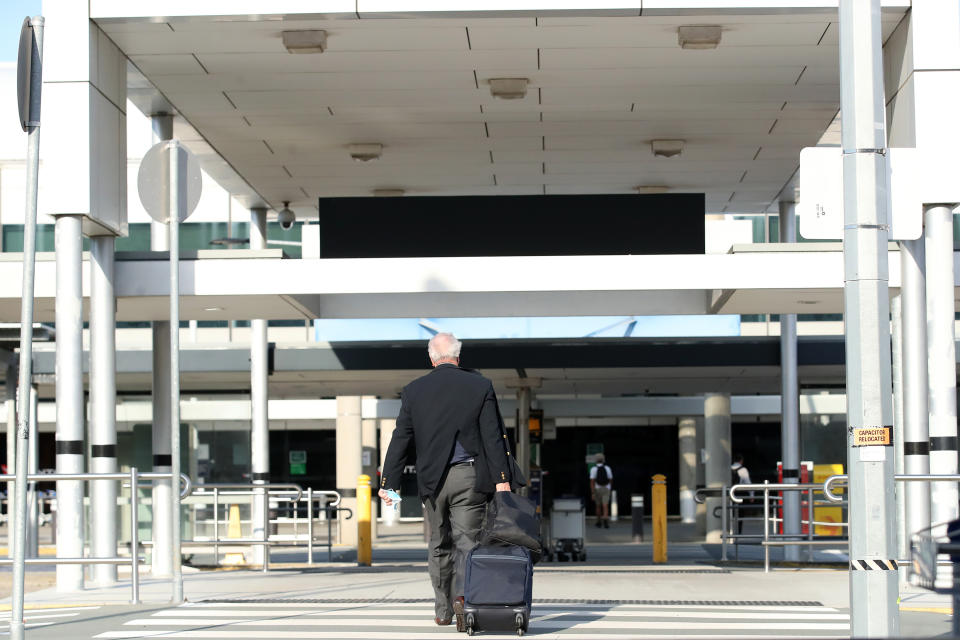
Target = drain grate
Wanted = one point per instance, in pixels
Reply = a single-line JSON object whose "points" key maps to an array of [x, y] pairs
{"points": [[690, 603]]}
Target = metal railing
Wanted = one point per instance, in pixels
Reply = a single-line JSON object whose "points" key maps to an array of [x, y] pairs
{"points": [[290, 493], [134, 477], [777, 540]]}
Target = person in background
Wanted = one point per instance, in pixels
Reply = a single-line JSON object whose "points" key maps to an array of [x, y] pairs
{"points": [[601, 483], [741, 476]]}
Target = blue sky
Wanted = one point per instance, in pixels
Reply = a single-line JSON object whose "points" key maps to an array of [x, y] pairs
{"points": [[12, 13]]}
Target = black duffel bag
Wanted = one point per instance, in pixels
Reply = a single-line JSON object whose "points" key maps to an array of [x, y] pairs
{"points": [[512, 519]]}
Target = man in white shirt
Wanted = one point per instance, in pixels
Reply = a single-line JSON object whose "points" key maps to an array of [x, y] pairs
{"points": [[601, 482]]}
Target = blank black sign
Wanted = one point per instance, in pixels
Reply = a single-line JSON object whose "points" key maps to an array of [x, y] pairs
{"points": [[407, 227]]}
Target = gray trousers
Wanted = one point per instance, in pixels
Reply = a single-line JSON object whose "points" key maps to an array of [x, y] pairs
{"points": [[454, 519]]}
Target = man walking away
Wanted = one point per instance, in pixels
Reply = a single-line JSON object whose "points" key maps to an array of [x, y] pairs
{"points": [[601, 482], [449, 427]]}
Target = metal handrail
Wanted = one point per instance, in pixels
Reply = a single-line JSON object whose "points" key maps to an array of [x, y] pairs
{"points": [[149, 475], [134, 476], [255, 488], [771, 487], [918, 477]]}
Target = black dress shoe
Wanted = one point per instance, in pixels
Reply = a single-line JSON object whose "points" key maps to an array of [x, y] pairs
{"points": [[458, 612], [606, 524], [442, 621]]}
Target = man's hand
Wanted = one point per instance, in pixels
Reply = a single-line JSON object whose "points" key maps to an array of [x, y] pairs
{"points": [[385, 497], [503, 486]]}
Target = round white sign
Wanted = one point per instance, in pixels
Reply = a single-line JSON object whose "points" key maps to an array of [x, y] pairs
{"points": [[153, 180]]}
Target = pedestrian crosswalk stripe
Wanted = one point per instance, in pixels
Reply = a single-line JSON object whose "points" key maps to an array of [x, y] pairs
{"points": [[546, 604], [367, 610], [358, 621]]}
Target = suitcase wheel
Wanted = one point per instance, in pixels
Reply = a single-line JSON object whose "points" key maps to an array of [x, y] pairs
{"points": [[520, 626], [471, 623]]}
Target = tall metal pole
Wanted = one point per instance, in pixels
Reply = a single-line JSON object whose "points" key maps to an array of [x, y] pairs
{"points": [[523, 433], [26, 331], [872, 513], [259, 427], [103, 407], [916, 432], [176, 198], [789, 400], [941, 359], [161, 556]]}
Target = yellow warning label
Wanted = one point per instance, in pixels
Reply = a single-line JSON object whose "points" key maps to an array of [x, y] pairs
{"points": [[872, 436]]}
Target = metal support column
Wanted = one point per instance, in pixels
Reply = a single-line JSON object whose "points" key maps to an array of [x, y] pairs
{"points": [[941, 359], [687, 439], [916, 432], [161, 556], [523, 432], [789, 401], [70, 405], [872, 512], [13, 371], [259, 421], [896, 342], [103, 408], [716, 409], [349, 451], [33, 508]]}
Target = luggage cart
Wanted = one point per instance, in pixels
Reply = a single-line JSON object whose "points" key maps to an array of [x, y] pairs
{"points": [[567, 530]]}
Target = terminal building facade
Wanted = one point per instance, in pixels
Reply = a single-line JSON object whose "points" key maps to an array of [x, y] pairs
{"points": [[600, 200]]}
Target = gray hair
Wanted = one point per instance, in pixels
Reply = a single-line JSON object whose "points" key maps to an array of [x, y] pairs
{"points": [[443, 346]]}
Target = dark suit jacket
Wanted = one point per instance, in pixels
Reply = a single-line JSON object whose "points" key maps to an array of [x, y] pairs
{"points": [[448, 404]]}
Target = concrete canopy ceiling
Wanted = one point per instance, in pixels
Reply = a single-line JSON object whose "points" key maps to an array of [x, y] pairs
{"points": [[600, 90]]}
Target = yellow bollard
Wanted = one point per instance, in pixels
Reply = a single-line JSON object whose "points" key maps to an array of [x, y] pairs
{"points": [[364, 546], [659, 513], [233, 531]]}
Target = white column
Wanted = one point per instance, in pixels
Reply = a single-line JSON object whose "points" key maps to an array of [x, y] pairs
{"points": [[260, 424], [716, 409], [916, 431], [701, 478], [386, 434], [161, 554], [789, 400], [12, 375], [103, 408], [349, 451], [687, 436], [941, 360], [33, 507], [70, 405], [368, 465]]}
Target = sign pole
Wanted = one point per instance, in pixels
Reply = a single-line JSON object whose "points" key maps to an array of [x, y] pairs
{"points": [[30, 61], [874, 612], [175, 201]]}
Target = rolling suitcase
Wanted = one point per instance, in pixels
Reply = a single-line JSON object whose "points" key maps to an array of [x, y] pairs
{"points": [[498, 588]]}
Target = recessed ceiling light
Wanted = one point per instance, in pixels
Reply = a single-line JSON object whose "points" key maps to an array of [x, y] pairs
{"points": [[508, 88], [645, 189], [213, 309], [808, 302], [309, 41], [666, 148], [388, 193], [366, 152], [699, 36]]}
